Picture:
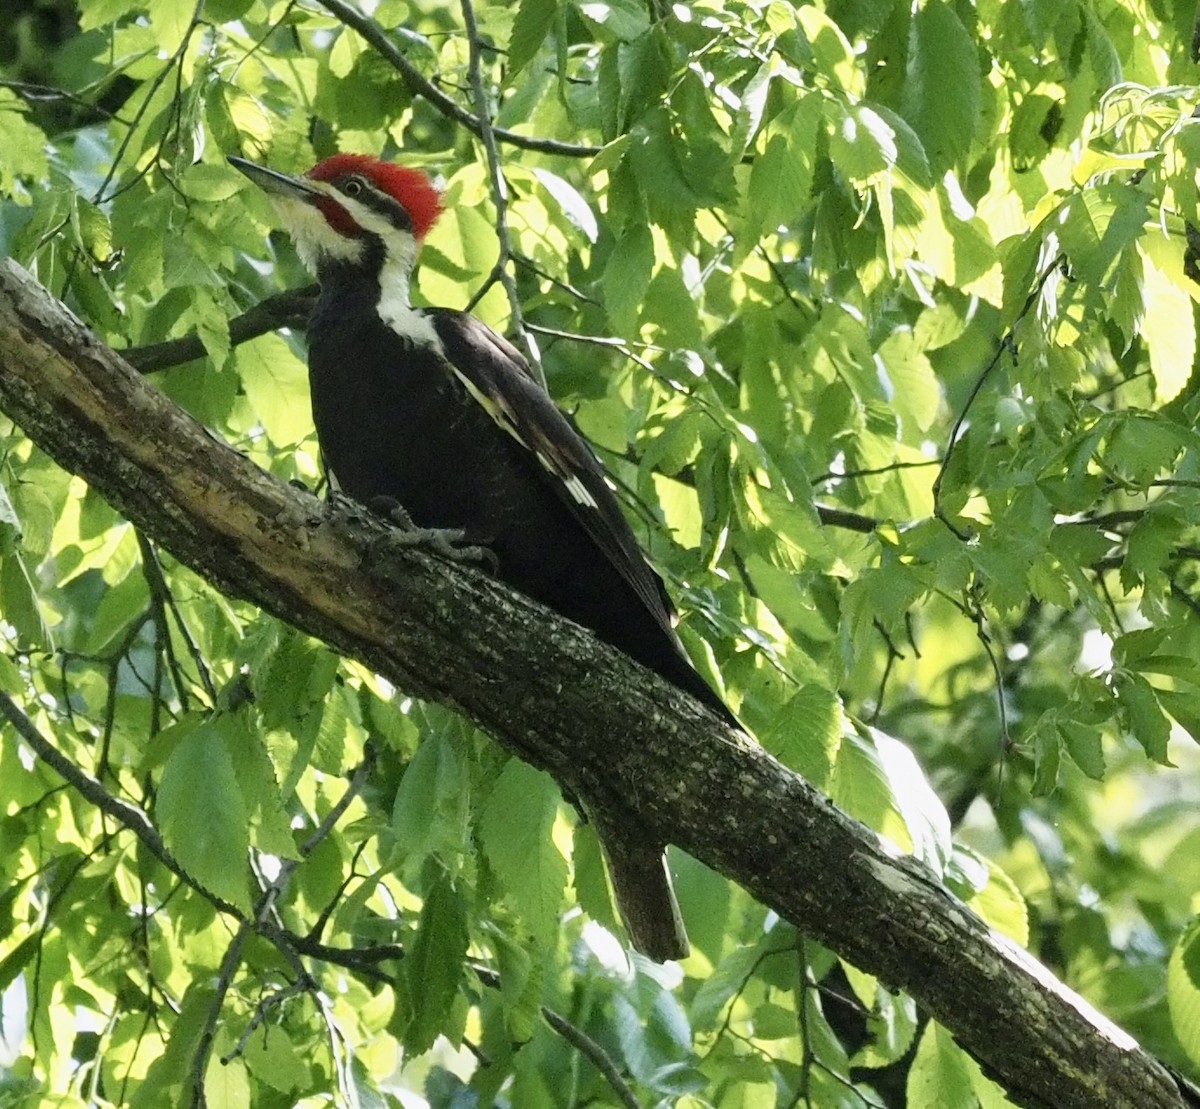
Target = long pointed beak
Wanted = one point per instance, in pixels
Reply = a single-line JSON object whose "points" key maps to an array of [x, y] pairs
{"points": [[277, 184]]}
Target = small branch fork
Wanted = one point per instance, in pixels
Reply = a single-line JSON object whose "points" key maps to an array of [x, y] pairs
{"points": [[265, 922], [419, 85]]}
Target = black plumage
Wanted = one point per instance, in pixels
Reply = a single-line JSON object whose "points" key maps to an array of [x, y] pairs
{"points": [[395, 422]]}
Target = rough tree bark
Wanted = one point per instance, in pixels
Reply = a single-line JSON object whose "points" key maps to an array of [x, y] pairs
{"points": [[611, 733]]}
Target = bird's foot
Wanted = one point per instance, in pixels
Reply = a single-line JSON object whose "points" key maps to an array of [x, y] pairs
{"points": [[451, 543]]}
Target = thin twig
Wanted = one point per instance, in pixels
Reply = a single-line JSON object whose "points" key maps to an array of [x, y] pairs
{"points": [[1007, 343], [122, 811], [263, 909], [34, 93], [585, 1045], [487, 136]]}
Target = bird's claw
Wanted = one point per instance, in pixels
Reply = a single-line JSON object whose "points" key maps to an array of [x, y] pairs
{"points": [[450, 543]]}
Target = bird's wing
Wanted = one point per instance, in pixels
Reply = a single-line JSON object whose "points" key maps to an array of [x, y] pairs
{"points": [[497, 376]]}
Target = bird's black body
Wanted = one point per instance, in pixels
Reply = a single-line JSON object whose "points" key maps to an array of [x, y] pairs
{"points": [[398, 423]]}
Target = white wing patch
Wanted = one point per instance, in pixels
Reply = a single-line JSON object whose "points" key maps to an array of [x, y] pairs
{"points": [[579, 492], [496, 408]]}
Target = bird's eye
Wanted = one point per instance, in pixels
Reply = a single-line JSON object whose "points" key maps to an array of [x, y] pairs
{"points": [[352, 187]]}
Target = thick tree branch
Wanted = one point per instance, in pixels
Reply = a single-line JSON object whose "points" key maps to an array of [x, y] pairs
{"points": [[616, 736]]}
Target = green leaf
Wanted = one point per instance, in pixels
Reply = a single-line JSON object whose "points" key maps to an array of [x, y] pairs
{"points": [[623, 19], [941, 97], [24, 147], [1183, 991], [940, 1077], [1084, 745], [276, 383], [169, 1073], [781, 177], [515, 829], [832, 53], [627, 277], [433, 965], [532, 23], [916, 395], [226, 1084], [1100, 225], [257, 783], [520, 986], [877, 780], [203, 815], [1169, 326], [10, 526], [999, 902], [429, 817], [1144, 717], [718, 988], [19, 602], [862, 144], [806, 733]]}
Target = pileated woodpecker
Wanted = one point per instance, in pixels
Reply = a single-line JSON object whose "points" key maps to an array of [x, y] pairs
{"points": [[430, 408]]}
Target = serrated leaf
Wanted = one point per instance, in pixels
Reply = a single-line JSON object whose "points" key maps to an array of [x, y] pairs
{"points": [[571, 201], [276, 383], [532, 23], [173, 1067], [1000, 903], [780, 190], [258, 786], [10, 526], [1169, 326], [806, 733], [832, 53], [433, 965], [1084, 746], [941, 98], [916, 395], [226, 1083], [623, 19], [202, 814], [25, 147], [1183, 991], [719, 987], [862, 144], [1147, 724], [515, 830], [520, 986], [19, 602], [627, 277], [939, 1077], [877, 780], [98, 13], [429, 817], [212, 183]]}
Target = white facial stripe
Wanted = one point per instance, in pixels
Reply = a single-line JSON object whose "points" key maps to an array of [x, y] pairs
{"points": [[394, 306], [312, 235]]}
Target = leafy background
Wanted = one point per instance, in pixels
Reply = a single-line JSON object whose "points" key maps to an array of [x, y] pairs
{"points": [[883, 321]]}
